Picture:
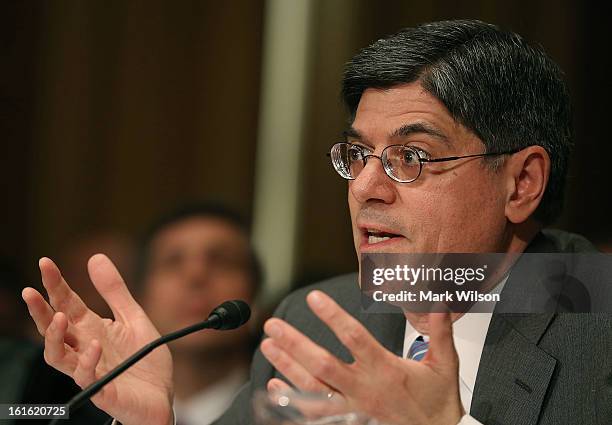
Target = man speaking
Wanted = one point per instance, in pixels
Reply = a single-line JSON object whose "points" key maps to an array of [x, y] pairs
{"points": [[458, 142]]}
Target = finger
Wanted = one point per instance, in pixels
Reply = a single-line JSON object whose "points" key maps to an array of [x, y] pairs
{"points": [[55, 353], [349, 331], [40, 311], [112, 288], [42, 314], [277, 388], [85, 372], [317, 361], [61, 296], [291, 369], [277, 385], [442, 352]]}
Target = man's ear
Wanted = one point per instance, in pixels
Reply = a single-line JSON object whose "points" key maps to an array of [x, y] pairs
{"points": [[527, 173]]}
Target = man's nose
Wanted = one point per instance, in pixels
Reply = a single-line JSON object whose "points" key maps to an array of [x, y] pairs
{"points": [[373, 184], [197, 271]]}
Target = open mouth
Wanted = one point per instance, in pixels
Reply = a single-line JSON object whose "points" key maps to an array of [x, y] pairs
{"points": [[376, 236]]}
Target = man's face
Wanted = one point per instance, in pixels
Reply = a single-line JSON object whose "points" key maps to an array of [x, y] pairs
{"points": [[195, 265], [455, 206]]}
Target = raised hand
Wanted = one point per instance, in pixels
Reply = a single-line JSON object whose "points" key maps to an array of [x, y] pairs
{"points": [[85, 346], [378, 383]]}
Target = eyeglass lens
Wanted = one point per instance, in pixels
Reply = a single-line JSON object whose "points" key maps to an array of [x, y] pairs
{"points": [[400, 162]]}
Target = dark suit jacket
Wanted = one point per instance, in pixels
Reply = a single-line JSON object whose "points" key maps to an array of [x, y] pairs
{"points": [[551, 368]]}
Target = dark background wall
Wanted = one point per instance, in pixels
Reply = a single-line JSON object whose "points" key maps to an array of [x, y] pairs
{"points": [[113, 111]]}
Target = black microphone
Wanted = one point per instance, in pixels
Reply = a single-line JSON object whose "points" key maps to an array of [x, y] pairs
{"points": [[229, 315]]}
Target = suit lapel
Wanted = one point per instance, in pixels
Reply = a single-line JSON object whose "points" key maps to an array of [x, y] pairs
{"points": [[514, 374]]}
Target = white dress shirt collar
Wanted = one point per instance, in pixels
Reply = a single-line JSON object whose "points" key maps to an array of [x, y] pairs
{"points": [[206, 406]]}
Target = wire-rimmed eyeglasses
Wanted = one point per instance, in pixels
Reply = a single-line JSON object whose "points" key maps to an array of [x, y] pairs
{"points": [[402, 163]]}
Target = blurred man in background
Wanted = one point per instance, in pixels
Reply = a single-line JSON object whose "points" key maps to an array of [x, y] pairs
{"points": [[190, 262]]}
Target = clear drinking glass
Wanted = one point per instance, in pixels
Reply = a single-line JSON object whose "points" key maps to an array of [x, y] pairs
{"points": [[291, 407]]}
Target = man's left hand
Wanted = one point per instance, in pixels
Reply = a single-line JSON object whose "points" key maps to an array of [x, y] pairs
{"points": [[378, 383]]}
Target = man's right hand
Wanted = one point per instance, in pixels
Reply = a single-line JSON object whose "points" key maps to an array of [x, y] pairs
{"points": [[85, 346]]}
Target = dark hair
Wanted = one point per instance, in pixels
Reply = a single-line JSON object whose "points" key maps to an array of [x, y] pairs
{"points": [[206, 209], [508, 93]]}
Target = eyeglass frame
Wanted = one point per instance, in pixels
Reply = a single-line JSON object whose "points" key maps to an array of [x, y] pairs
{"points": [[416, 151]]}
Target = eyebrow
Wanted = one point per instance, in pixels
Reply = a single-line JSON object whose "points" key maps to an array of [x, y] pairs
{"points": [[420, 128], [352, 133], [403, 131]]}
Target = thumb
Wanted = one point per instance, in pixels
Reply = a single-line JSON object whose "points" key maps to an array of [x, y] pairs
{"points": [[442, 354], [112, 288]]}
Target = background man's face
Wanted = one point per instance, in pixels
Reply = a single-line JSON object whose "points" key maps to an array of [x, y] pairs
{"points": [[455, 206], [195, 265]]}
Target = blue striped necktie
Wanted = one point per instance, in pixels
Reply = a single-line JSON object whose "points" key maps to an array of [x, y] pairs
{"points": [[418, 349]]}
